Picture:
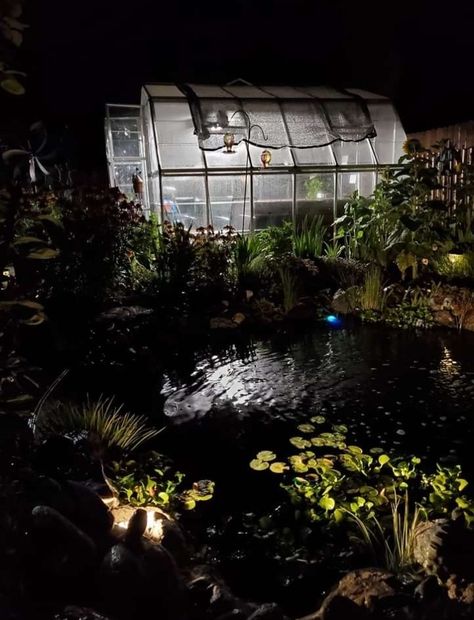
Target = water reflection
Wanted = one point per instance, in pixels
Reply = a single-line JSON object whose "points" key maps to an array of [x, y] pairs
{"points": [[395, 388]]}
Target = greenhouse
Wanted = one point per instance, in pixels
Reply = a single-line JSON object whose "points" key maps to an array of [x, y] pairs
{"points": [[250, 157]]}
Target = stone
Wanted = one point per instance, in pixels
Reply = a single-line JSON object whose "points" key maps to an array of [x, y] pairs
{"points": [[61, 548], [90, 513], [140, 576], [268, 611], [239, 318], [248, 295], [468, 322], [304, 310], [136, 526], [71, 612], [174, 541], [371, 590], [222, 323], [342, 302], [124, 313], [443, 318]]}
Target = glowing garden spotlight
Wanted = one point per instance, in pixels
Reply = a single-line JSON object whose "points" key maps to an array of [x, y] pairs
{"points": [[332, 319]]}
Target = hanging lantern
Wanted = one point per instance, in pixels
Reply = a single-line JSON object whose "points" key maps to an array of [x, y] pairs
{"points": [[229, 141], [266, 158]]}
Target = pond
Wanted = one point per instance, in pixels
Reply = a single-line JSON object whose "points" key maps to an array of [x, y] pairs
{"points": [[411, 391]]}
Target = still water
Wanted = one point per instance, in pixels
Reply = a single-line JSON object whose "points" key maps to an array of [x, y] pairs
{"points": [[406, 391]]}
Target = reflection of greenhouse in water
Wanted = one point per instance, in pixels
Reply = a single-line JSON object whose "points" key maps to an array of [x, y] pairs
{"points": [[251, 156]]}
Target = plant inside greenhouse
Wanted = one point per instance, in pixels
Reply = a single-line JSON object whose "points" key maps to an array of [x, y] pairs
{"points": [[236, 327]]}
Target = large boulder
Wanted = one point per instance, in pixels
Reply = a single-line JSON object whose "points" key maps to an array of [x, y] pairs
{"points": [[139, 576], [445, 547], [369, 593], [343, 301], [62, 550]]}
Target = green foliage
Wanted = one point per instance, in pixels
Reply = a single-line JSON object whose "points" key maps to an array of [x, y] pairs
{"points": [[456, 265], [11, 37], [151, 480], [290, 287], [276, 240], [413, 311], [391, 541], [308, 238], [327, 478], [247, 257], [101, 423], [371, 293]]}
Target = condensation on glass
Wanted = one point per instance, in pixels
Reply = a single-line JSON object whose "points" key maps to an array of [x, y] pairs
{"points": [[325, 144]]}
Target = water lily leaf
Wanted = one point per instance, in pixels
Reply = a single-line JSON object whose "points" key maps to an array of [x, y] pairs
{"points": [[266, 455], [12, 86], [327, 503], [189, 503], [355, 449], [318, 419], [24, 240], [259, 465], [462, 484], [376, 450], [300, 443], [43, 254], [278, 468], [306, 428], [383, 459], [340, 428], [164, 497]]}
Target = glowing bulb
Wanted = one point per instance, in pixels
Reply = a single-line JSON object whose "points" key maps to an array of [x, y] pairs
{"points": [[332, 319]]}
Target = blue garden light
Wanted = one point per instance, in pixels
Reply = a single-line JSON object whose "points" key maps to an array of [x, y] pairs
{"points": [[332, 319]]}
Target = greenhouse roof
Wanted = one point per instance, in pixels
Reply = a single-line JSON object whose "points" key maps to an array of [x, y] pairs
{"points": [[275, 116]]}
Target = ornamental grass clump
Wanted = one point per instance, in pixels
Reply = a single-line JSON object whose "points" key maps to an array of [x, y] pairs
{"points": [[103, 424]]}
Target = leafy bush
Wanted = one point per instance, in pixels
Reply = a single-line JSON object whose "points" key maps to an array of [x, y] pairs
{"points": [[413, 311], [100, 229], [456, 265], [152, 481]]}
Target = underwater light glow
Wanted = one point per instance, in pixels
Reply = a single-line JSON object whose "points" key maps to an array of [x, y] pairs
{"points": [[332, 319]]}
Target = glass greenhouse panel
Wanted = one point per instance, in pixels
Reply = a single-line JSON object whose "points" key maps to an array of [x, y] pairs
{"points": [[222, 159], [227, 195], [184, 200], [322, 156], [388, 143], [122, 175], [154, 195], [273, 199], [280, 157], [126, 137], [315, 196], [149, 140], [177, 144], [350, 182], [353, 153]]}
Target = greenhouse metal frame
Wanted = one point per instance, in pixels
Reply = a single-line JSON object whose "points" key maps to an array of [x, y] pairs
{"points": [[324, 144]]}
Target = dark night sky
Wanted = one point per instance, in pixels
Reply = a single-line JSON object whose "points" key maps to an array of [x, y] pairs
{"points": [[80, 54]]}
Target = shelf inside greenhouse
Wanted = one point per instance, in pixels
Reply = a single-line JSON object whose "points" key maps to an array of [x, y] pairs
{"points": [[250, 157]]}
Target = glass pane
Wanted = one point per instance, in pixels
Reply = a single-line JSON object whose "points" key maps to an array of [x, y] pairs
{"points": [[315, 196], [222, 159], [317, 156], [122, 176], [184, 200], [273, 199], [390, 136], [350, 182], [177, 144], [227, 194], [149, 139], [266, 123], [126, 137], [280, 157], [125, 111], [154, 195], [353, 153]]}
